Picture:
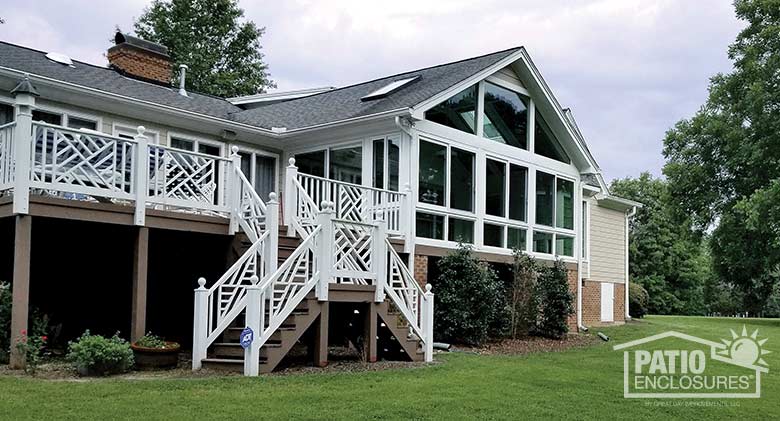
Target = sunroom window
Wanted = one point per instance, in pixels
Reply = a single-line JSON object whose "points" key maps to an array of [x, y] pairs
{"points": [[433, 173], [386, 163], [312, 163], [429, 225], [545, 198], [564, 204], [554, 201], [346, 165], [505, 116], [461, 230], [495, 188], [461, 180], [458, 112], [545, 143]]}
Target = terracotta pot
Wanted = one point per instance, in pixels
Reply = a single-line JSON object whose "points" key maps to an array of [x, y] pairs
{"points": [[156, 358]]}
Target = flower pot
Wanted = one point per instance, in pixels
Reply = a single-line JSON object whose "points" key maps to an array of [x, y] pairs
{"points": [[156, 358]]}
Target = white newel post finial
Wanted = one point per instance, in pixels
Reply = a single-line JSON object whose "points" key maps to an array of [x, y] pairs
{"points": [[200, 324], [233, 187], [379, 256], [428, 323], [290, 193], [325, 220], [141, 175], [272, 225], [254, 316], [24, 98]]}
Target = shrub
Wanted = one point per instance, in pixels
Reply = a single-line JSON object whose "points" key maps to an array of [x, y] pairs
{"points": [[31, 347], [96, 355], [470, 300], [523, 300], [638, 300], [555, 301], [38, 324]]}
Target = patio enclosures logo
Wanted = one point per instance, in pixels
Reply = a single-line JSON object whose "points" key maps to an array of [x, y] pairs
{"points": [[677, 365]]}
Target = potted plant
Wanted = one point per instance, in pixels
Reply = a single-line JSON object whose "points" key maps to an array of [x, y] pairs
{"points": [[152, 352]]}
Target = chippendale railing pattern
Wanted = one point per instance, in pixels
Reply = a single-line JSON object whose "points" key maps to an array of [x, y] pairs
{"points": [[353, 247], [181, 178], [7, 156], [406, 293]]}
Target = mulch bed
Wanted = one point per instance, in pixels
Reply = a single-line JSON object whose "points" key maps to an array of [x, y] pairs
{"points": [[531, 344]]}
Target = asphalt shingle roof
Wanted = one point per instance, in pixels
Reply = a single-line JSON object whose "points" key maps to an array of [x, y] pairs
{"points": [[335, 105], [344, 103], [105, 79]]}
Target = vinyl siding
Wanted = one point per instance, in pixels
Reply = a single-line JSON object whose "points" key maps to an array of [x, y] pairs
{"points": [[607, 242]]}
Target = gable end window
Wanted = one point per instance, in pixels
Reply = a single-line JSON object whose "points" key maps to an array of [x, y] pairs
{"points": [[458, 112], [545, 143], [505, 116]]}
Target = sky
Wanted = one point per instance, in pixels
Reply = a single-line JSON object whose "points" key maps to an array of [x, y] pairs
{"points": [[628, 69]]}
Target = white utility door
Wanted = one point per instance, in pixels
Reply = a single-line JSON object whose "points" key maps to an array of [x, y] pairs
{"points": [[607, 301]]}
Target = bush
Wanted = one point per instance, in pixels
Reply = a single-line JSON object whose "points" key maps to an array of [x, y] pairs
{"points": [[555, 301], [523, 299], [32, 349], [151, 340], [38, 324], [638, 300], [470, 300], [94, 355]]}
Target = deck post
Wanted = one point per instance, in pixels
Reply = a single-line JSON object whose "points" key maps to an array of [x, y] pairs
{"points": [[233, 188], [20, 288], [272, 225], [325, 252], [290, 198], [370, 342], [254, 299], [407, 218], [428, 323], [141, 175], [23, 139], [379, 257], [321, 336], [140, 264], [200, 324]]}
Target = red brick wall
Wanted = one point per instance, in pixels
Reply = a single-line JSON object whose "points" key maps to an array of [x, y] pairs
{"points": [[140, 63], [421, 269], [591, 304]]}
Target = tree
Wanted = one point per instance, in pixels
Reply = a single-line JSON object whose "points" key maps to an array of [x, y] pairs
{"points": [[723, 164], [668, 257], [523, 300], [222, 52]]}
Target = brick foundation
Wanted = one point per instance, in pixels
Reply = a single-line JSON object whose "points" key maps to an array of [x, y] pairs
{"points": [[572, 320], [591, 304], [421, 269]]}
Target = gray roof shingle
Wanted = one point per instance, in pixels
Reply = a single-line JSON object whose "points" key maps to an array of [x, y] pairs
{"points": [[105, 79], [344, 103]]}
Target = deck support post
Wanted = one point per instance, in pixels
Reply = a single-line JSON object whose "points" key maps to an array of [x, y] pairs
{"points": [[254, 316], [427, 327], [325, 249], [272, 225], [379, 257], [321, 336], [370, 342], [141, 175], [20, 286], [23, 137], [140, 272], [200, 324], [290, 198]]}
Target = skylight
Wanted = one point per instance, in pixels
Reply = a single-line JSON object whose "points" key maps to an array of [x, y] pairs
{"points": [[60, 58], [389, 88]]}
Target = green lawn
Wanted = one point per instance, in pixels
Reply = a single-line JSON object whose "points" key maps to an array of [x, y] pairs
{"points": [[576, 384]]}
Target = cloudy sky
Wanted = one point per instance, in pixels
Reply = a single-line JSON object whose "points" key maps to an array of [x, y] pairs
{"points": [[629, 69]]}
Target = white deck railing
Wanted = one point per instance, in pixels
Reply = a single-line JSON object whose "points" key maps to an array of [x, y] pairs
{"points": [[7, 156]]}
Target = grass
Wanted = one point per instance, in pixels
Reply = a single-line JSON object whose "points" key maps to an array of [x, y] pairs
{"points": [[581, 383]]}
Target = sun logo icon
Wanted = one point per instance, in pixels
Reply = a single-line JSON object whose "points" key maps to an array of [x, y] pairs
{"points": [[744, 349]]}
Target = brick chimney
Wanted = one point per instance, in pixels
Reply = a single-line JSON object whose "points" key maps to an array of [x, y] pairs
{"points": [[140, 59]]}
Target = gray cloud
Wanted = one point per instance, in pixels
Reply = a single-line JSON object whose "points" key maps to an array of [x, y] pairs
{"points": [[629, 69]]}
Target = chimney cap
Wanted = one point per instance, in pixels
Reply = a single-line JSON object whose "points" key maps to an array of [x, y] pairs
{"points": [[154, 47]]}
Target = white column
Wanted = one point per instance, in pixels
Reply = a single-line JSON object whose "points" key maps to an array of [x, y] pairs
{"points": [[290, 198], [200, 324], [141, 175], [272, 225], [428, 323], [407, 218], [233, 188], [254, 316], [379, 257], [23, 139], [325, 246]]}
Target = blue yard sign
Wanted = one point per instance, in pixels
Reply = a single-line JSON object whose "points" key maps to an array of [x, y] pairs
{"points": [[247, 336]]}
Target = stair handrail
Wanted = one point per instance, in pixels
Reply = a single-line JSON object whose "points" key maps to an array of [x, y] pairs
{"points": [[306, 210], [405, 291], [250, 202]]}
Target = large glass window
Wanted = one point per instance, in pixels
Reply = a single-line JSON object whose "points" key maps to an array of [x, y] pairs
{"points": [[461, 180], [346, 165], [545, 198], [543, 242], [545, 143], [495, 179], [6, 113], [564, 245], [81, 123], [515, 238], [312, 163], [430, 225], [433, 173], [564, 204], [386, 163], [517, 188], [459, 112], [460, 230], [493, 235], [47, 117], [505, 116], [379, 163]]}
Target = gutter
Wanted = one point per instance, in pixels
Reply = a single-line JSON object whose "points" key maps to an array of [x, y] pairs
{"points": [[629, 214]]}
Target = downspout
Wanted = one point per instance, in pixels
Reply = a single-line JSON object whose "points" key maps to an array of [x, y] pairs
{"points": [[628, 216]]}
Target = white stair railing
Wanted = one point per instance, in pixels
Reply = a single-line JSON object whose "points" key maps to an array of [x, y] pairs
{"points": [[414, 304], [7, 156]]}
